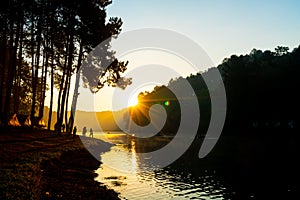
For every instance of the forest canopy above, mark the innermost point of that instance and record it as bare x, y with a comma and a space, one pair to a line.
261, 90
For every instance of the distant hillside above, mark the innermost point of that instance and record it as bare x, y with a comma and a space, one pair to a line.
97, 120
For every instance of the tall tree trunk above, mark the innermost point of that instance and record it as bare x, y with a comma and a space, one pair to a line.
3, 69
59, 102
46, 54
69, 68
18, 72
75, 94
8, 86
41, 87
52, 74
12, 66
61, 88
51, 87
36, 70
44, 86
32, 69
67, 103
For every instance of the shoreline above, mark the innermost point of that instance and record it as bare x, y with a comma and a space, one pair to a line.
37, 164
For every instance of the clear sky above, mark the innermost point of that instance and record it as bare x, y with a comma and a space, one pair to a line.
220, 27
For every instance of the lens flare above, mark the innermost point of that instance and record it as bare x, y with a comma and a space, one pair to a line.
167, 103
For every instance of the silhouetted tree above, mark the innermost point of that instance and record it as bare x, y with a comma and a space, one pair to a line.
51, 38
93, 30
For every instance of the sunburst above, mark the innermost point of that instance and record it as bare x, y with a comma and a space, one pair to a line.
133, 101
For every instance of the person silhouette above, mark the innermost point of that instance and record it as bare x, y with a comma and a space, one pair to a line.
63, 126
91, 132
84, 131
74, 131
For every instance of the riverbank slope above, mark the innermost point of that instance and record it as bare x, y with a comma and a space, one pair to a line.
38, 164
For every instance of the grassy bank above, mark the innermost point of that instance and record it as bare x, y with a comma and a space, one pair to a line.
37, 164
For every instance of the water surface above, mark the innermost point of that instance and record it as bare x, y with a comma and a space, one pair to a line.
126, 173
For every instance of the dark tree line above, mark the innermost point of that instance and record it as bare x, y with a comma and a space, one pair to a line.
261, 91
259, 144
43, 44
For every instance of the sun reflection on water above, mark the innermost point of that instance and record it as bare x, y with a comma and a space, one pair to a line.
133, 157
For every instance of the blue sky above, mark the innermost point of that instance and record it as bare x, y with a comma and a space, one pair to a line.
220, 27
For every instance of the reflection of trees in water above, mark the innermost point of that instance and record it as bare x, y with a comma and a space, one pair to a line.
248, 165
144, 145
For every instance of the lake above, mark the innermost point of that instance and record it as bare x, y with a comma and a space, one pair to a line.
247, 176
124, 171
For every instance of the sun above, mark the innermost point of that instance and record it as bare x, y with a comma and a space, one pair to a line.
133, 101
